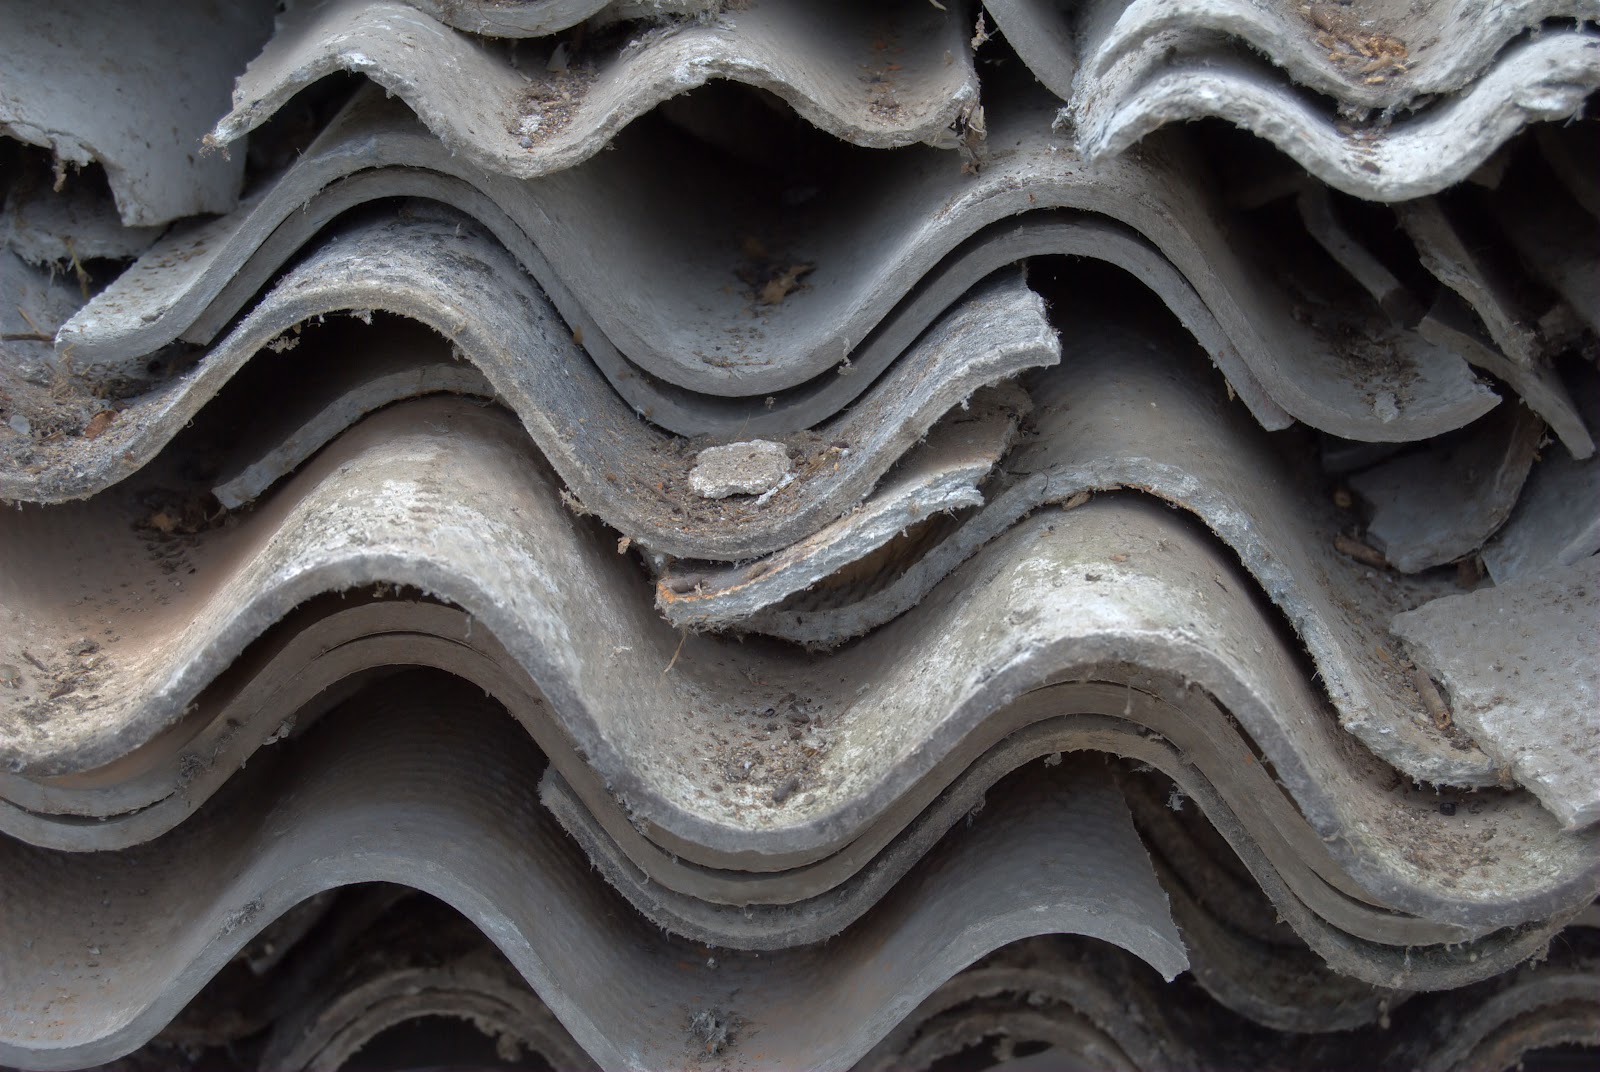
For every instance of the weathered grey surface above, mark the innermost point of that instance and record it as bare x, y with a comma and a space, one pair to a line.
828, 60
1557, 521
800, 922
444, 497
859, 308
1519, 664
1289, 860
1451, 324
78, 223
1042, 37
777, 910
310, 657
1118, 415
536, 18
1546, 78
433, 792
1142, 64
313, 653
1482, 283
444, 272
134, 90
940, 474
1326, 45
1445, 499
1516, 352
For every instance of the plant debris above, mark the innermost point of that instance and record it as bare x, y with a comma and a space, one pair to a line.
1357, 50
774, 290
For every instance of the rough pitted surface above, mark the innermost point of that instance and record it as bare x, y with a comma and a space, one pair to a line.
1517, 661
432, 788
448, 498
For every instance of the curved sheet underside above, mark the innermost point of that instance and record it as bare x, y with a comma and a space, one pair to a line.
828, 60
1472, 72
538, 18
1124, 583
1118, 415
416, 959
439, 801
1097, 1011
438, 269
886, 251
1375, 55
1546, 79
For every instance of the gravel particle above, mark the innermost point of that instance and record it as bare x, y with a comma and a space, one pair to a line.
748, 468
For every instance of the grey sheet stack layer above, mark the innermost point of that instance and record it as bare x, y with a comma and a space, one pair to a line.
1381, 99
770, 535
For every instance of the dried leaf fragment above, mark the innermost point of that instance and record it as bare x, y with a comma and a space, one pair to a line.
779, 286
99, 423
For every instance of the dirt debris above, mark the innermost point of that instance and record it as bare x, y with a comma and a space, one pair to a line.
550, 100
770, 277
69, 678
99, 423
764, 758
1432, 700
713, 1030
176, 514
1359, 51
879, 74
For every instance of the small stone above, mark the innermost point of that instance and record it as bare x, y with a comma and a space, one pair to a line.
20, 424
749, 468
